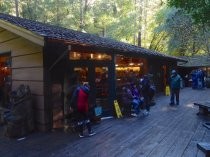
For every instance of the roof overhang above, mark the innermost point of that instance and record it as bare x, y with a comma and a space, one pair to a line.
85, 47
195, 61
37, 39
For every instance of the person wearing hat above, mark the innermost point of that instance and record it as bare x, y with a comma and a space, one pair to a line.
175, 83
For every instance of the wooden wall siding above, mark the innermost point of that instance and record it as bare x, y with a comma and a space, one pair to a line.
30, 60
28, 74
6, 36
23, 32
1, 29
18, 45
36, 87
39, 102
41, 117
27, 68
27, 61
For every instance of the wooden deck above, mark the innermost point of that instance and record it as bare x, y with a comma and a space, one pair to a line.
166, 132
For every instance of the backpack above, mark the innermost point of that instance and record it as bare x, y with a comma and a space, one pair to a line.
72, 101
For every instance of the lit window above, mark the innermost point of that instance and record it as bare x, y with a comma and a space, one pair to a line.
88, 56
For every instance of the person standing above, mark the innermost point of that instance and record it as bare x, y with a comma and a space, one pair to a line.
145, 88
83, 110
127, 100
175, 82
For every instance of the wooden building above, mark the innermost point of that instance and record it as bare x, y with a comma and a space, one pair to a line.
49, 59
193, 63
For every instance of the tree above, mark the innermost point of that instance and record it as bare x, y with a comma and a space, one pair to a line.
180, 34
6, 6
199, 9
116, 17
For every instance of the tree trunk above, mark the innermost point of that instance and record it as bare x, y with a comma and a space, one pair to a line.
81, 27
57, 13
139, 38
206, 39
140, 23
145, 20
16, 8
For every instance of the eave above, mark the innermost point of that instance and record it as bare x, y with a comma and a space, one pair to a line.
23, 33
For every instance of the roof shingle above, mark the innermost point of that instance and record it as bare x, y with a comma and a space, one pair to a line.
60, 33
196, 61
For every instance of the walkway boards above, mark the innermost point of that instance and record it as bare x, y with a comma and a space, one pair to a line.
166, 132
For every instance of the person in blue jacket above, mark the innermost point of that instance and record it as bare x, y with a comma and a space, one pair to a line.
175, 82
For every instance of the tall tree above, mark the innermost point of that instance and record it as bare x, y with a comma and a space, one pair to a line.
199, 9
182, 36
16, 8
140, 5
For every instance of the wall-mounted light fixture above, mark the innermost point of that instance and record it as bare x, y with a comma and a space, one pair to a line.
140, 64
91, 56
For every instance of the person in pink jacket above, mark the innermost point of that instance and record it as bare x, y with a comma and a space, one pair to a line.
83, 110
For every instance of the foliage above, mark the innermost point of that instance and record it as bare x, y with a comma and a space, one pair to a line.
150, 23
199, 9
184, 38
6, 6
118, 19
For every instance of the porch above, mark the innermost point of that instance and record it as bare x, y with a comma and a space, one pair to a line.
166, 132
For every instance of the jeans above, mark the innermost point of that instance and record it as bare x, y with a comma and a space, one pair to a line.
175, 92
147, 102
136, 106
83, 120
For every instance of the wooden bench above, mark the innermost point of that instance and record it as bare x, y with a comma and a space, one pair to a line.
207, 125
203, 107
204, 147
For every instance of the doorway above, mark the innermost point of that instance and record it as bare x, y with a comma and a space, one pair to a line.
97, 76
5, 78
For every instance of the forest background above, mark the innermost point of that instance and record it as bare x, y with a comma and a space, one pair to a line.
174, 27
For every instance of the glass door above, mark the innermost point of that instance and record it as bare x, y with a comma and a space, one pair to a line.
82, 74
102, 88
97, 78
75, 75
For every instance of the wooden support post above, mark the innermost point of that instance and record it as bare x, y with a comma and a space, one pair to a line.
205, 148
112, 82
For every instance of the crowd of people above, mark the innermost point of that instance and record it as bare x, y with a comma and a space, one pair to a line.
198, 79
136, 99
137, 96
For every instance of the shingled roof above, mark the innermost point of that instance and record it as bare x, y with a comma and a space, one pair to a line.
196, 61
80, 38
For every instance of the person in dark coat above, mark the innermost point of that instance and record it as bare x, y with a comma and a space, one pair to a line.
175, 82
126, 100
145, 83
